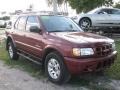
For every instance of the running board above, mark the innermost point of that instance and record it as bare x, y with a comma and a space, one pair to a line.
29, 59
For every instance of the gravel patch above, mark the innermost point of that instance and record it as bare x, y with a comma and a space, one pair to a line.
15, 79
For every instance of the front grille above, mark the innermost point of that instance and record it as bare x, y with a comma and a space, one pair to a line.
103, 50
104, 64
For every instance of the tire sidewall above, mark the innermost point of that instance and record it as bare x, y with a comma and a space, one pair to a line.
88, 20
62, 68
15, 55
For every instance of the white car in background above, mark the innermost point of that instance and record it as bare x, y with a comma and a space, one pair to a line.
2, 24
100, 17
9, 23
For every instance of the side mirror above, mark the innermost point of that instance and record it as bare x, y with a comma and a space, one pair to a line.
35, 29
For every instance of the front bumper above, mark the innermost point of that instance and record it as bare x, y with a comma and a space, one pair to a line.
77, 66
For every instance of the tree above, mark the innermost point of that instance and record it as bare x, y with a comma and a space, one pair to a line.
50, 2
62, 4
87, 5
117, 5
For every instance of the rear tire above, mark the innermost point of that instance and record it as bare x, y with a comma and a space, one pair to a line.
85, 23
55, 68
12, 51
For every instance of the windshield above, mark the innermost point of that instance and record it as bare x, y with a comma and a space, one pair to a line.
59, 24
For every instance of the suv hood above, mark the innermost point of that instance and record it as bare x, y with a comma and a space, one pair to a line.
81, 37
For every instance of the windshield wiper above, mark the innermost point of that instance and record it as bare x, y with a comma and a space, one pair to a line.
64, 31
72, 30
56, 31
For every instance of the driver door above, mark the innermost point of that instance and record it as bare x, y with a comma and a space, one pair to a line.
33, 39
101, 18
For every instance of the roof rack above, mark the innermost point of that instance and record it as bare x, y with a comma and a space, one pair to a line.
43, 13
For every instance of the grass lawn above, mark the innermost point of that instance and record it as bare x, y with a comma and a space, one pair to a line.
114, 71
22, 63
88, 81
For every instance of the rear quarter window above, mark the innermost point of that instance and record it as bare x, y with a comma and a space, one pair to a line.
20, 23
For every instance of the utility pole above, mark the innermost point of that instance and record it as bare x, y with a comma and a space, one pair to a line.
55, 10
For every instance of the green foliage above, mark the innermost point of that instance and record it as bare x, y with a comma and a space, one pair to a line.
86, 5
114, 71
117, 5
23, 64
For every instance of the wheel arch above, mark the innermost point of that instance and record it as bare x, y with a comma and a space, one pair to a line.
9, 39
49, 50
87, 18
65, 75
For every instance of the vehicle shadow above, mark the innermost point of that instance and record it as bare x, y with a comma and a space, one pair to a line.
94, 81
89, 80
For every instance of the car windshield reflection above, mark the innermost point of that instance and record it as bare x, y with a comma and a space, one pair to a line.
60, 24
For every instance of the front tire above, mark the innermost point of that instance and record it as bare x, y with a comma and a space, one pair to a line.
55, 68
85, 23
12, 51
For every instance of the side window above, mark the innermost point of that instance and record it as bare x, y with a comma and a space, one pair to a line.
16, 24
108, 11
117, 12
103, 11
32, 21
20, 24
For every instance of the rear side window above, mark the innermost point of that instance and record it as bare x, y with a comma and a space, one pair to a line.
21, 22
117, 12
108, 11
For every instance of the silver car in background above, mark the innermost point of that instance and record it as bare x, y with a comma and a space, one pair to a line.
100, 17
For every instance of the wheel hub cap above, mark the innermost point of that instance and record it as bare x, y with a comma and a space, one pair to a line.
10, 51
85, 24
53, 68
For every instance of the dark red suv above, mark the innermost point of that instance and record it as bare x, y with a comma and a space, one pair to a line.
59, 45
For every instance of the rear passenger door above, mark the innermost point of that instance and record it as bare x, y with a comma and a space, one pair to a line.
33, 39
18, 32
115, 17
102, 17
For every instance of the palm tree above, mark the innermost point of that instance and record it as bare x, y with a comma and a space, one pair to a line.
59, 3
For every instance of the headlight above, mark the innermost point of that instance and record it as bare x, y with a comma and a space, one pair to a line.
82, 51
86, 51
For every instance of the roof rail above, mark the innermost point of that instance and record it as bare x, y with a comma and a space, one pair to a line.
43, 13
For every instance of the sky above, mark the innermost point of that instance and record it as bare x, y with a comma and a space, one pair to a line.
12, 5
116, 0
38, 5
